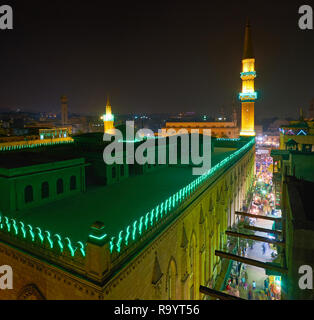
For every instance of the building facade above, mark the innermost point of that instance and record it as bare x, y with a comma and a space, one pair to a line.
219, 129
52, 267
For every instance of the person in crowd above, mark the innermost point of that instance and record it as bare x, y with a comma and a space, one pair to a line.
239, 267
250, 293
243, 280
254, 285
266, 282
228, 287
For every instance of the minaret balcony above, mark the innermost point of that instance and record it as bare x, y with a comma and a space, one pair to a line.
248, 96
250, 75
107, 117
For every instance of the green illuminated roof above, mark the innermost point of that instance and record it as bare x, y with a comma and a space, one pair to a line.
116, 205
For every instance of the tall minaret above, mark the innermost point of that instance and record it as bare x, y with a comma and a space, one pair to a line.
234, 116
248, 95
64, 110
108, 118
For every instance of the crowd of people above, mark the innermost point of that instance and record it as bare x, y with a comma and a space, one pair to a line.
263, 203
241, 287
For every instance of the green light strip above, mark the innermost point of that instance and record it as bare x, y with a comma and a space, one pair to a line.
18, 230
98, 238
228, 139
164, 208
35, 145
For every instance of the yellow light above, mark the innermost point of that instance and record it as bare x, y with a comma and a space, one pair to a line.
247, 133
248, 93
248, 65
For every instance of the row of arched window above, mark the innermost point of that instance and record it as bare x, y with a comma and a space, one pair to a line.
45, 189
172, 272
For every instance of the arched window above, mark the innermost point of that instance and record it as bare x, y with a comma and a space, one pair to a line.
171, 281
192, 257
30, 292
73, 183
114, 172
59, 186
44, 190
28, 194
193, 265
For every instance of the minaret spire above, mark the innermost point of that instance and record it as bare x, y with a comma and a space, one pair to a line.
108, 101
108, 106
248, 52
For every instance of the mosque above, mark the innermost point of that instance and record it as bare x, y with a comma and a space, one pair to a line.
73, 227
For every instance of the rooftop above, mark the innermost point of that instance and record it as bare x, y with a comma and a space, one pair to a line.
300, 124
116, 205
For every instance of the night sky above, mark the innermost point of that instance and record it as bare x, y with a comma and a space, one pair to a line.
154, 56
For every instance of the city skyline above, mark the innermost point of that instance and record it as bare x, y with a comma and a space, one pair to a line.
153, 58
137, 177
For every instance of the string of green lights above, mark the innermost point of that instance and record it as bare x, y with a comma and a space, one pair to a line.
32, 145
164, 208
35, 235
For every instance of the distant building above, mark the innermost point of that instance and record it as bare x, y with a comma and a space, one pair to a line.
219, 129
54, 133
64, 110
297, 135
36, 136
258, 130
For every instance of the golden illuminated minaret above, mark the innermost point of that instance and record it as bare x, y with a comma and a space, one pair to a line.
248, 94
108, 118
